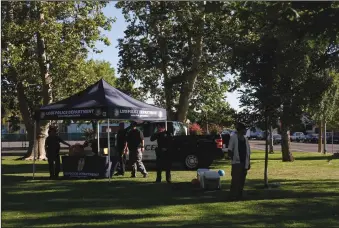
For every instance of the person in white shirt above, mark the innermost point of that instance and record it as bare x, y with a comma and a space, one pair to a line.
239, 151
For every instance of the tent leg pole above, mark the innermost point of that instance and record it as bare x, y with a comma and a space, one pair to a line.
109, 150
34, 138
166, 125
98, 136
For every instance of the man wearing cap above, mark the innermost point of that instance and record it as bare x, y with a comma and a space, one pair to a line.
136, 144
163, 153
239, 151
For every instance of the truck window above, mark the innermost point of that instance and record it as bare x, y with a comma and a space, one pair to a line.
144, 128
153, 127
178, 129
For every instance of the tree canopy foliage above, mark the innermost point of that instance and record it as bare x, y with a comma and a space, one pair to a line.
172, 49
282, 55
43, 44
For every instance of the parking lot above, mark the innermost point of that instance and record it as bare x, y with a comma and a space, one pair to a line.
295, 146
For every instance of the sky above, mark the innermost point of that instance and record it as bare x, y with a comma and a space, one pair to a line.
110, 53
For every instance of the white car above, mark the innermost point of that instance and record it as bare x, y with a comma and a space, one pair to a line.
276, 139
298, 137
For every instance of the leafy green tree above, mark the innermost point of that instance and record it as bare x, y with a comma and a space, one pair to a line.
327, 110
171, 48
42, 42
281, 57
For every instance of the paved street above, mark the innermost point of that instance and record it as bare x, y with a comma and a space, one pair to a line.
296, 147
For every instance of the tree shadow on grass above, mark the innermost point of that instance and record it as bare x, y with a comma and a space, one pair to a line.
22, 194
27, 167
135, 194
208, 219
96, 196
276, 213
24, 168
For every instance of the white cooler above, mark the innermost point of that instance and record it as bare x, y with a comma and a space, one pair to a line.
210, 180
200, 174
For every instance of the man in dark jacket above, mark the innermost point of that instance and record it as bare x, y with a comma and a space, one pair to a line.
163, 153
136, 144
121, 141
52, 146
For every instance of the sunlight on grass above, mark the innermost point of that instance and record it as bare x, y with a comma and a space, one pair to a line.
308, 196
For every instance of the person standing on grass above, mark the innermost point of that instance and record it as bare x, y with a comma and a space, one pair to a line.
52, 146
239, 151
136, 144
163, 153
121, 141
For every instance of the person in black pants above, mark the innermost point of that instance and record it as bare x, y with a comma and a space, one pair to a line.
52, 146
240, 151
121, 141
163, 153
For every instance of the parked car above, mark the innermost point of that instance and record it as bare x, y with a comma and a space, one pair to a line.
259, 135
297, 137
311, 138
276, 139
335, 138
229, 131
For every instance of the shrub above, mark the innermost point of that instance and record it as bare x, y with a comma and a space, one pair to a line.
214, 129
195, 129
89, 133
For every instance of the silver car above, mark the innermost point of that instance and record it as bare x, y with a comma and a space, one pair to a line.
276, 139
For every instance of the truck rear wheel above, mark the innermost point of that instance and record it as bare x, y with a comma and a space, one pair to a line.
191, 162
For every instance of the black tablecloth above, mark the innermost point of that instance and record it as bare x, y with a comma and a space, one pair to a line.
87, 167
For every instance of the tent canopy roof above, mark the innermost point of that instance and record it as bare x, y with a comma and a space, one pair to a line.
101, 101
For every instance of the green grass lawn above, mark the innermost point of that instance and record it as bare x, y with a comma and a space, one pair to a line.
307, 197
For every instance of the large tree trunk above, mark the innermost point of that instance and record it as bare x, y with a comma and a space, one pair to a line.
47, 97
320, 137
163, 46
266, 155
26, 116
285, 143
190, 76
189, 80
325, 137
185, 95
169, 95
271, 150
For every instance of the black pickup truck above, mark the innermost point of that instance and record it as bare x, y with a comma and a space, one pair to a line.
193, 151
